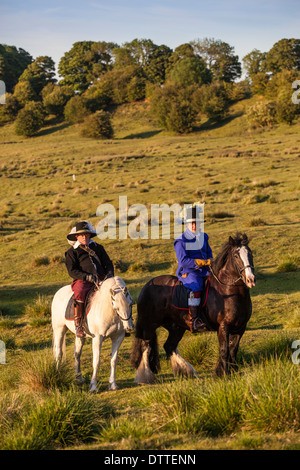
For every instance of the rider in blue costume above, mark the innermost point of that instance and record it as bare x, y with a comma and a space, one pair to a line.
194, 255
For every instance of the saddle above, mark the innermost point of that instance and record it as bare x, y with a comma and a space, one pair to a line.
69, 313
180, 298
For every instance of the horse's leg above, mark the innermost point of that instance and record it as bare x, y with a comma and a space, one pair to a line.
179, 365
79, 342
223, 362
144, 374
97, 344
234, 341
115, 345
59, 334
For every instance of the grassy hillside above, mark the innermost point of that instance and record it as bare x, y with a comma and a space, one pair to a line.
249, 182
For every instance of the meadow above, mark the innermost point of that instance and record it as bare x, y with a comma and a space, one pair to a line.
249, 182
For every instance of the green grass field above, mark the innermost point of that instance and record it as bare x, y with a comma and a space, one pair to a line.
249, 181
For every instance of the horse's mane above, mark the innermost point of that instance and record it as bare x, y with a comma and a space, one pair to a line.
110, 283
237, 241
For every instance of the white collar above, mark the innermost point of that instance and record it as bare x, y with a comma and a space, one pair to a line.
77, 244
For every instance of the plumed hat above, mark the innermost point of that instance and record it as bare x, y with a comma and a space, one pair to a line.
81, 227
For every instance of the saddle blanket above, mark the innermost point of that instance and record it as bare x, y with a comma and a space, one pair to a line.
69, 313
180, 295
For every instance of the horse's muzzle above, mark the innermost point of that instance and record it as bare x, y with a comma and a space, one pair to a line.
250, 281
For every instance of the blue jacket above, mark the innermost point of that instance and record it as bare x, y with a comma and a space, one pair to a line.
186, 255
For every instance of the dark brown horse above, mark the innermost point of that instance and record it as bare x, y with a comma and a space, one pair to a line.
227, 311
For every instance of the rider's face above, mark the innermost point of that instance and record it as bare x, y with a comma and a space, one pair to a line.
192, 227
83, 238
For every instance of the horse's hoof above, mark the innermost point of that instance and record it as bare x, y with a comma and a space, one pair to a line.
93, 388
113, 387
79, 380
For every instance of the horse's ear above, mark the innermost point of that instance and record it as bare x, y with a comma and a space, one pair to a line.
245, 239
231, 241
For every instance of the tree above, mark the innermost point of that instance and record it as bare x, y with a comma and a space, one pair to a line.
219, 58
84, 63
285, 54
55, 98
13, 62
140, 50
39, 73
76, 110
190, 71
171, 105
30, 119
155, 70
254, 62
24, 92
212, 100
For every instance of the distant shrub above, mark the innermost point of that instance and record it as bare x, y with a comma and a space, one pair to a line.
30, 119
171, 105
256, 222
41, 261
222, 215
38, 311
285, 109
76, 110
97, 126
55, 100
261, 114
287, 267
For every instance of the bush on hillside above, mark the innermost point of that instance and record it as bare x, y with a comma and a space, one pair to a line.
261, 114
171, 105
30, 119
97, 126
212, 100
55, 98
76, 110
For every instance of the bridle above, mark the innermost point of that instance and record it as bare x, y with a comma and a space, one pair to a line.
233, 284
116, 310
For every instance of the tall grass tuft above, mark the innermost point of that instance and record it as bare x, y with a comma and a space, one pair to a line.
38, 373
60, 420
266, 397
39, 311
273, 402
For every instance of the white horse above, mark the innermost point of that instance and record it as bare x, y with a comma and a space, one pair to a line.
110, 315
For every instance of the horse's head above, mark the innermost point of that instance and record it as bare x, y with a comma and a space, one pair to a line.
122, 306
243, 259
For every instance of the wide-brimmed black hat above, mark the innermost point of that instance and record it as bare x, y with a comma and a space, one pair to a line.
192, 214
81, 227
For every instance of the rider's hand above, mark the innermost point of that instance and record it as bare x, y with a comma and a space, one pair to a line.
93, 278
202, 262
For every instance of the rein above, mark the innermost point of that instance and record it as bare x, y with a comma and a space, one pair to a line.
98, 286
233, 284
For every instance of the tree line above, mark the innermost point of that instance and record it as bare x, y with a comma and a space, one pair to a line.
200, 77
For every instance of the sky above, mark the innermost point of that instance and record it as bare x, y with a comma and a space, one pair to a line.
51, 27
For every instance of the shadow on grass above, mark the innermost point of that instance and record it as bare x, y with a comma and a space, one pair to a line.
14, 299
276, 283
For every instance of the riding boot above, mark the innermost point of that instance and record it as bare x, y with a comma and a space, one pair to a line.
78, 318
195, 323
